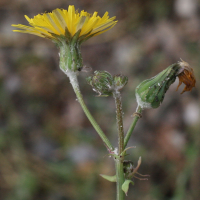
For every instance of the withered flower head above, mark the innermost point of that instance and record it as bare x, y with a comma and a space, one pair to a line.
150, 93
186, 76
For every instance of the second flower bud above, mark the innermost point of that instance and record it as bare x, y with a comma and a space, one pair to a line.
105, 84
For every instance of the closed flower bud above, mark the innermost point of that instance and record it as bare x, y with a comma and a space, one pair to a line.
128, 167
101, 82
151, 92
120, 81
105, 84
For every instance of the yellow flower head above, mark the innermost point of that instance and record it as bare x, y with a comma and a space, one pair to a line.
59, 21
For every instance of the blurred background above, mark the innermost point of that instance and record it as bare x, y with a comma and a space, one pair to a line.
49, 150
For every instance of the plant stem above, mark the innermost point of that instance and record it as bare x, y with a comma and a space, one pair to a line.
74, 82
119, 117
120, 179
131, 128
119, 160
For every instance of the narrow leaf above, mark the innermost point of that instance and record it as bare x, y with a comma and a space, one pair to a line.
109, 178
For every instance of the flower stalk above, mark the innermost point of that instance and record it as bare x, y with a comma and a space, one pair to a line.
119, 118
105, 85
137, 116
107, 143
119, 160
70, 63
65, 66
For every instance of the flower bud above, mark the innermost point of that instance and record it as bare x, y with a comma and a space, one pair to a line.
105, 84
128, 167
120, 81
101, 82
151, 92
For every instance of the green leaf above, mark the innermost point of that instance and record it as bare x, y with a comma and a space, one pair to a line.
109, 178
125, 186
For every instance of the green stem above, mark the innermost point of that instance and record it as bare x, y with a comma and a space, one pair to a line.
131, 128
120, 179
70, 63
119, 117
119, 160
74, 82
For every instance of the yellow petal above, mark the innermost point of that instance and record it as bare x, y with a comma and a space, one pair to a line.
58, 20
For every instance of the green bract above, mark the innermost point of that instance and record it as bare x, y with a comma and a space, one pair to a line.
120, 81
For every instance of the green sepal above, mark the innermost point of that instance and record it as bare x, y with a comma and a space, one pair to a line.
120, 81
83, 37
109, 178
75, 37
125, 186
88, 37
67, 35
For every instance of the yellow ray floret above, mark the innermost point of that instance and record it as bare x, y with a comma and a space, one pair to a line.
56, 22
